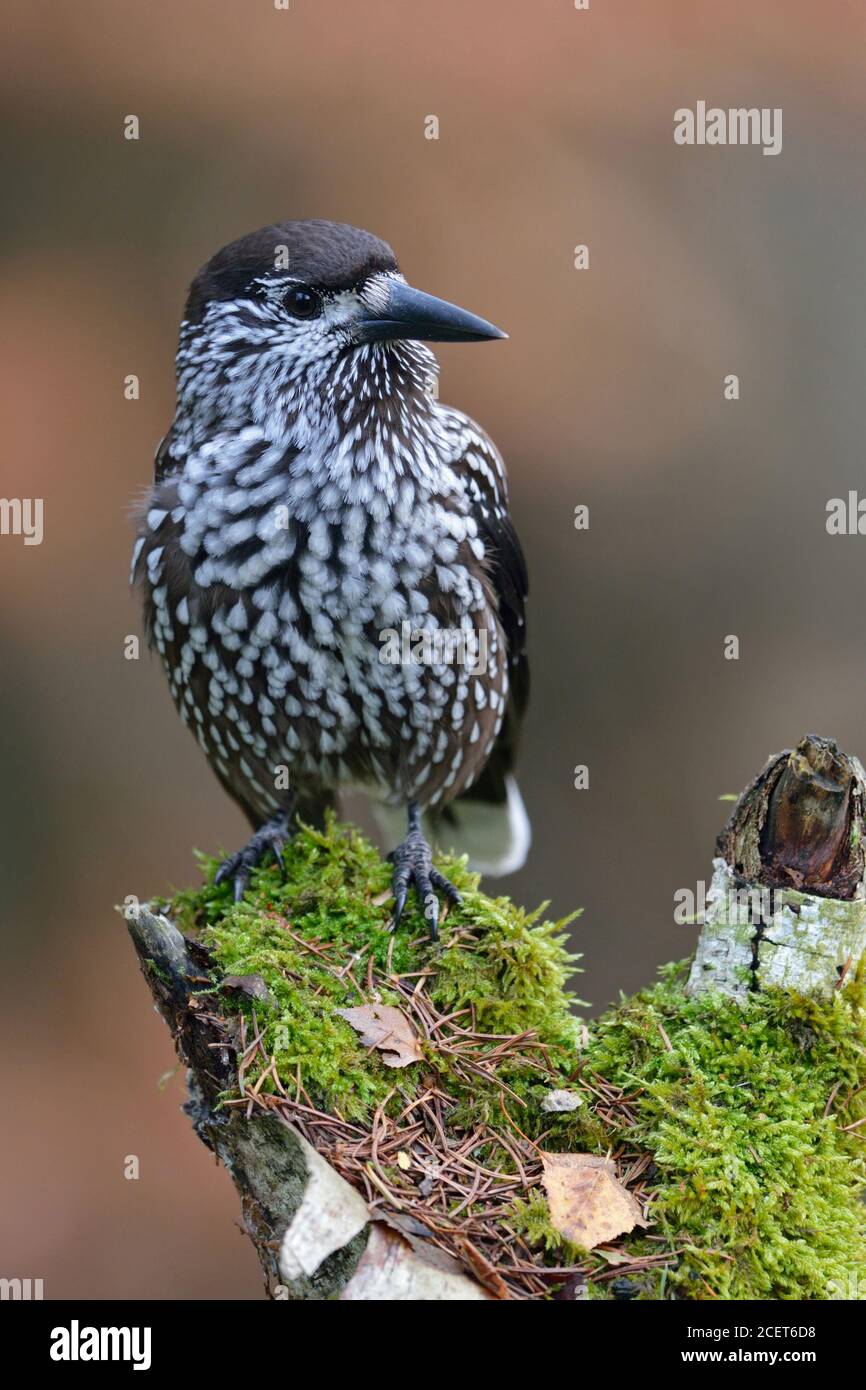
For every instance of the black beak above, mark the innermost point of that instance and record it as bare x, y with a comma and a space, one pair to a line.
411, 313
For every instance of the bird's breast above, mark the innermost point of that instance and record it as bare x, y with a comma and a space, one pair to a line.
347, 642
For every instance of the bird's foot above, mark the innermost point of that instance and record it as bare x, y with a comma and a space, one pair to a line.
413, 865
270, 837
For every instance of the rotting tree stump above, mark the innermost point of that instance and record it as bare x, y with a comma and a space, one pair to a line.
791, 862
787, 903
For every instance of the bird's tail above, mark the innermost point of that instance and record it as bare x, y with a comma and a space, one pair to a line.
489, 823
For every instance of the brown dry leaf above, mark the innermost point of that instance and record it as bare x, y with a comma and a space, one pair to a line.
588, 1203
387, 1029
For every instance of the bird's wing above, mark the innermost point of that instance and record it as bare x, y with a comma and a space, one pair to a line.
480, 467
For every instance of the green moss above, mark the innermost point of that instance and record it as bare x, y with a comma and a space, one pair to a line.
530, 1217
759, 1189
504, 967
756, 1191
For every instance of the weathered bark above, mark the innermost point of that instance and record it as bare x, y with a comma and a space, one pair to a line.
787, 904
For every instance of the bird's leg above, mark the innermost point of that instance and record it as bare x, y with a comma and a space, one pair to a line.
271, 837
413, 864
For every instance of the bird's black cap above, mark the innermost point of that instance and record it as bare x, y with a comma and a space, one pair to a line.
329, 255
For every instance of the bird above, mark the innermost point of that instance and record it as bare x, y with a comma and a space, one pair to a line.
327, 561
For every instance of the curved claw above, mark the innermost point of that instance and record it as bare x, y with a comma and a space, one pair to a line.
413, 866
445, 886
399, 904
271, 837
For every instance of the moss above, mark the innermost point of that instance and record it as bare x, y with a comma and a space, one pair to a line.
155, 970
756, 1191
504, 967
530, 1217
759, 1186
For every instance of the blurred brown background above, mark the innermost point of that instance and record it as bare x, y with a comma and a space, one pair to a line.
707, 516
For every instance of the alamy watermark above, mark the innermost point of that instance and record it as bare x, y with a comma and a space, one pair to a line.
742, 906
22, 516
738, 125
851, 1289
20, 1290
77, 1343
436, 646
846, 516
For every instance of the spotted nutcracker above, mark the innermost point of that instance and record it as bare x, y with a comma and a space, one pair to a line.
328, 566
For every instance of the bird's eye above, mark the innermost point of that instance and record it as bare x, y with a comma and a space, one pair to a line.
302, 302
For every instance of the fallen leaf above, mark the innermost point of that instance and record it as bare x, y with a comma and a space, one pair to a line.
588, 1203
387, 1029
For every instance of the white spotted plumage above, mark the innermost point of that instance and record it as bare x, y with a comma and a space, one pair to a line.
312, 495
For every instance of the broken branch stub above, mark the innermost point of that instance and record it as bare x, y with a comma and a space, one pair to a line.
787, 903
315, 1236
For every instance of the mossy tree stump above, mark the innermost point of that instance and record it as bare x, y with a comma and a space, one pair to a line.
407, 1160
787, 904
